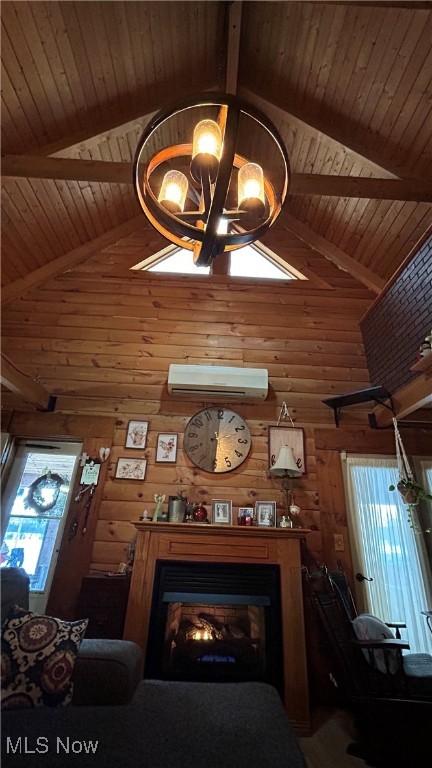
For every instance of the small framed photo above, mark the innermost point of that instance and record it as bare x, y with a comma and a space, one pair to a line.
131, 469
221, 512
166, 448
246, 516
266, 513
293, 437
136, 435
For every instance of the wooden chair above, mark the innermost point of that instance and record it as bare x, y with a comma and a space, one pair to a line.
390, 693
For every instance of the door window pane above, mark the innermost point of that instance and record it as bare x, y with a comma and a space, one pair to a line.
31, 536
30, 543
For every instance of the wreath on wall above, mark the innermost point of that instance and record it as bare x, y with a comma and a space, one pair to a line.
35, 499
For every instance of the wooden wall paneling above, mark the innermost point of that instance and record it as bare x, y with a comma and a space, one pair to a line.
30, 390
333, 253
75, 550
104, 341
333, 510
18, 287
417, 441
60, 425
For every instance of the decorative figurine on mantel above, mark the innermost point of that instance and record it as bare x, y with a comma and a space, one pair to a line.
158, 513
294, 512
200, 514
285, 522
190, 506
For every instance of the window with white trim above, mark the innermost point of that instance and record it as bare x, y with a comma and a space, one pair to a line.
389, 548
253, 261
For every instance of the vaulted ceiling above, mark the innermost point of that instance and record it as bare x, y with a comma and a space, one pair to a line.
347, 84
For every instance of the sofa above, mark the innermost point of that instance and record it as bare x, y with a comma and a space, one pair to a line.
118, 719
107, 672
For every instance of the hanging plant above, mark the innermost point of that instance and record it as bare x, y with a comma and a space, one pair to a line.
410, 491
36, 499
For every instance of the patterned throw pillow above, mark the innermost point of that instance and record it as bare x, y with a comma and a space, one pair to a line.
38, 655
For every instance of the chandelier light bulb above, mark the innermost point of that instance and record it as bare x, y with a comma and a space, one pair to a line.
206, 142
206, 149
222, 226
173, 191
251, 189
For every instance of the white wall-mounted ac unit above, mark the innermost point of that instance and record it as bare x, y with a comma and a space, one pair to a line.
216, 381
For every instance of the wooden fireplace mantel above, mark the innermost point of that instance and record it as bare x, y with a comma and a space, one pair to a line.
229, 544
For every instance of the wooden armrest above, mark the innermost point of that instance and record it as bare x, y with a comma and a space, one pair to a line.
382, 644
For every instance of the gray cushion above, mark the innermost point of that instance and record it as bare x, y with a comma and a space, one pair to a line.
418, 665
170, 725
107, 672
418, 669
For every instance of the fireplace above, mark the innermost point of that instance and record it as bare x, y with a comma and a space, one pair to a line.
218, 622
179, 567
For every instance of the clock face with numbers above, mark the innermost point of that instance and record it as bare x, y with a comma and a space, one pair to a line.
217, 440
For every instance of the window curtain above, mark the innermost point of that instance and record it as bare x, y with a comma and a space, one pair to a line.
388, 549
426, 468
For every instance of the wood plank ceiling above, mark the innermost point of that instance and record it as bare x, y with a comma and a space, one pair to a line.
348, 85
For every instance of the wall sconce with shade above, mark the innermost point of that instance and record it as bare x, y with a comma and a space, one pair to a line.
286, 468
187, 189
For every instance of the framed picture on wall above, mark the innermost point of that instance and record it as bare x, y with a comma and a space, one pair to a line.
131, 469
166, 448
293, 437
136, 434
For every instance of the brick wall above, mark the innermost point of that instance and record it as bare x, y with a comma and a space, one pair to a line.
396, 325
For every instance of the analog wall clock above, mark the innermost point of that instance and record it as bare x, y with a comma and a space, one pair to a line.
217, 440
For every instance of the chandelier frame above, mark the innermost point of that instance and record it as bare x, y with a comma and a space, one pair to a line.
202, 237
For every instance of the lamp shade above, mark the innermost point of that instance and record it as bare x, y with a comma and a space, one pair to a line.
173, 191
285, 464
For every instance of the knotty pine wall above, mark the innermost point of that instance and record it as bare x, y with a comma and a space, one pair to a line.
101, 338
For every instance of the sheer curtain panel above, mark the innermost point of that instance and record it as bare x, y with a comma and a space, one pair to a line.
388, 549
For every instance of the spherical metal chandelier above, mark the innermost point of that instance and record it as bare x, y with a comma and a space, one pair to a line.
204, 195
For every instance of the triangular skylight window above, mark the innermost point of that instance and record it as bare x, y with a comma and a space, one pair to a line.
254, 261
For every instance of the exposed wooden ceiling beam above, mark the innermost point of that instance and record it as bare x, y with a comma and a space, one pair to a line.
285, 108
407, 399
422, 416
360, 186
33, 166
233, 46
331, 252
20, 384
62, 263
107, 129
40, 167
117, 124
